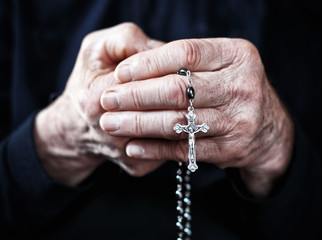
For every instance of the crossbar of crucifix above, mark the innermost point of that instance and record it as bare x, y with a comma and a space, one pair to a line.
191, 128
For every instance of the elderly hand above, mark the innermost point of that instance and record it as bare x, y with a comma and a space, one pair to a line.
249, 127
68, 138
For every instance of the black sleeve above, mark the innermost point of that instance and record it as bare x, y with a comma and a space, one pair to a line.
294, 211
6, 40
28, 197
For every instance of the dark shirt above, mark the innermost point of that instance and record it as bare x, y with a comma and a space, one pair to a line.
39, 42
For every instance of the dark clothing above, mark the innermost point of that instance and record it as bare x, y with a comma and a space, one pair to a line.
39, 42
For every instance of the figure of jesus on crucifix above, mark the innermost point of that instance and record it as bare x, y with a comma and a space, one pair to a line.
191, 129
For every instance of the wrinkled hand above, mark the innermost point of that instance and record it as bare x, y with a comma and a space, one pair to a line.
249, 127
68, 138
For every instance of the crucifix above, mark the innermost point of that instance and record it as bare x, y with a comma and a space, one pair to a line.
191, 129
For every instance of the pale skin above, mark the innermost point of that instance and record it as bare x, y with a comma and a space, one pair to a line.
68, 139
124, 98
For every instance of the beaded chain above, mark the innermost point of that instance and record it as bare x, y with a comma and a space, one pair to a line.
183, 191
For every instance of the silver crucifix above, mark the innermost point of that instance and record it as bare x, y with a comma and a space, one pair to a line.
191, 129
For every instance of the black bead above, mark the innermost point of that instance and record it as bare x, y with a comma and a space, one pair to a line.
182, 71
191, 93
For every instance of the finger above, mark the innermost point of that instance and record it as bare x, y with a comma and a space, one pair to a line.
160, 124
168, 92
207, 150
114, 44
194, 54
99, 54
139, 167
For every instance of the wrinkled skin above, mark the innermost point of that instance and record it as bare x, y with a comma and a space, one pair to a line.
68, 138
123, 99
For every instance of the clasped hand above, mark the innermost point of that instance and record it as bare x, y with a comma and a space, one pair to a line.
124, 97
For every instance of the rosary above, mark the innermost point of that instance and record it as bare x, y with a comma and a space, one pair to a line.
183, 190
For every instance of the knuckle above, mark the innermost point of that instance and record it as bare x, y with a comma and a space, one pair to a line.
250, 93
179, 118
246, 47
239, 153
153, 65
88, 107
164, 130
136, 98
240, 148
90, 47
129, 29
223, 165
190, 53
221, 150
177, 95
140, 169
138, 172
139, 124
250, 122
132, 168
257, 94
249, 89
179, 152
248, 53
242, 151
88, 40
129, 25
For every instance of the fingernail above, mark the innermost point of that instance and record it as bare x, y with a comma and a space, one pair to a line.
110, 123
135, 151
123, 74
110, 101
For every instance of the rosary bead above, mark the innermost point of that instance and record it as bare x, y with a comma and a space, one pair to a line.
187, 201
179, 194
187, 178
187, 231
179, 179
183, 193
180, 210
179, 226
187, 225
187, 210
187, 216
190, 93
182, 71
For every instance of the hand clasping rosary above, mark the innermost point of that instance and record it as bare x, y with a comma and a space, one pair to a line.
183, 190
